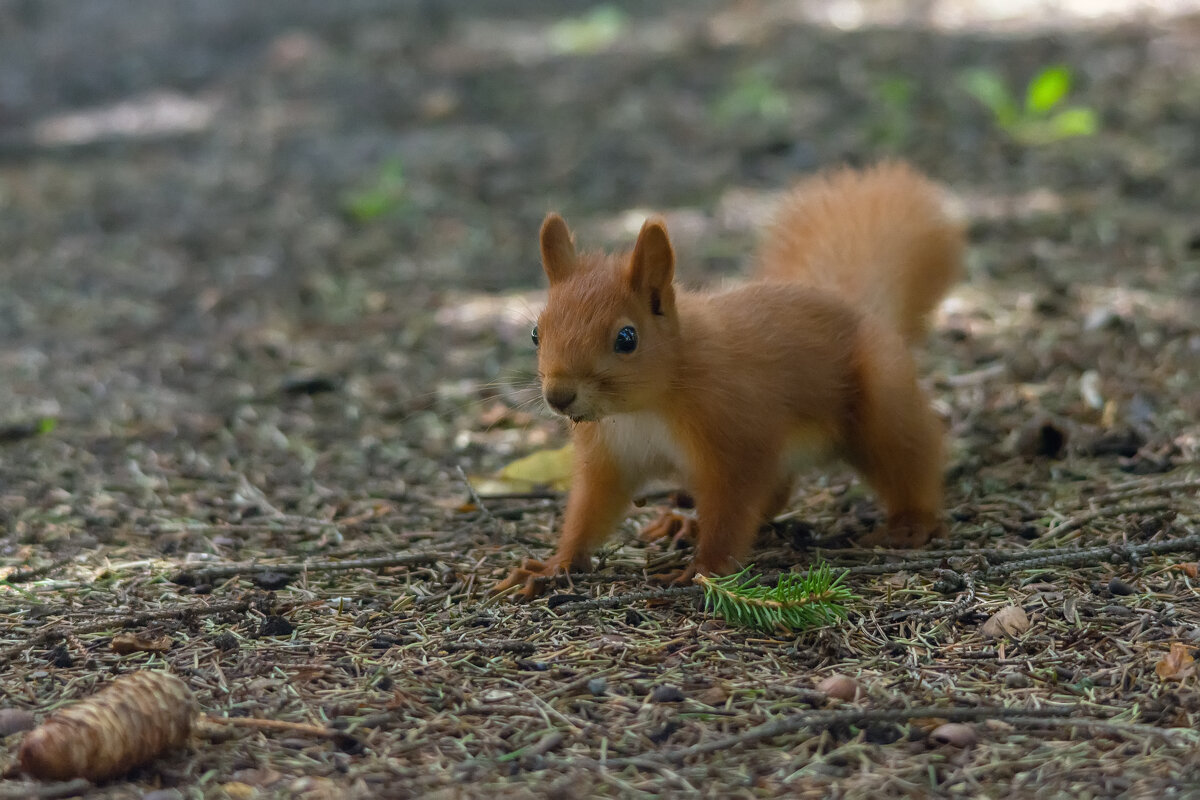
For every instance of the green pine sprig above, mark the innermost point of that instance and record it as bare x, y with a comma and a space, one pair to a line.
796, 602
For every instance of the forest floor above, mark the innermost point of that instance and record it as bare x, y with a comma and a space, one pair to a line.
267, 275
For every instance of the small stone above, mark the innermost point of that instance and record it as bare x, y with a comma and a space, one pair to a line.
1041, 438
1024, 366
954, 734
163, 794
276, 626
1119, 442
597, 687
15, 720
308, 384
1016, 680
225, 641
272, 581
667, 693
1120, 588
841, 687
61, 657
713, 696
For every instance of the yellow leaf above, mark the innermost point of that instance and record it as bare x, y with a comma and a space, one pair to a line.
542, 468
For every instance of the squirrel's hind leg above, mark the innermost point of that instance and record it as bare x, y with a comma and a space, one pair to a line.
895, 442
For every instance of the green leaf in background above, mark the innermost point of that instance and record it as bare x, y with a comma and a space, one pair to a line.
384, 195
591, 33
988, 88
46, 425
1074, 122
1047, 89
893, 121
753, 95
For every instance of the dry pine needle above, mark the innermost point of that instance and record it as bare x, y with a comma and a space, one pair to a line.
133, 720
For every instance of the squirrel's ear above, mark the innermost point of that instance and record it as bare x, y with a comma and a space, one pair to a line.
652, 265
558, 253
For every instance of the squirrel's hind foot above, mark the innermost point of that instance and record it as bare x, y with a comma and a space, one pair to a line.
677, 525
906, 531
677, 577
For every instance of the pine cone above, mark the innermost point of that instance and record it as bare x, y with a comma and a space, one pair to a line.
134, 719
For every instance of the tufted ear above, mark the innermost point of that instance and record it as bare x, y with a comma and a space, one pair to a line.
558, 252
652, 266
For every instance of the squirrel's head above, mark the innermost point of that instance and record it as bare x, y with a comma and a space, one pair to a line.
608, 336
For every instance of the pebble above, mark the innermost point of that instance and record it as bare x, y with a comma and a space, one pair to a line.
841, 687
955, 734
14, 720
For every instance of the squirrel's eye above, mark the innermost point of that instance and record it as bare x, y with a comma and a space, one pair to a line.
626, 340
533, 335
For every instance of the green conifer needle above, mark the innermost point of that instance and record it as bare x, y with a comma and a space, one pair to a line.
796, 602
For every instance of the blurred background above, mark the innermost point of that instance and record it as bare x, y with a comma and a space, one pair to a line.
267, 277
296, 242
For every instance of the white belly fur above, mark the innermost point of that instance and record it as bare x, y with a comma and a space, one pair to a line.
645, 448
643, 445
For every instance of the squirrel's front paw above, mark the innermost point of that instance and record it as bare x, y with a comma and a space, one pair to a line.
533, 576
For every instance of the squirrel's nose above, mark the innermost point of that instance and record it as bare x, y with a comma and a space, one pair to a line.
560, 397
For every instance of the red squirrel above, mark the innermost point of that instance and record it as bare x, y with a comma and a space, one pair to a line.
731, 391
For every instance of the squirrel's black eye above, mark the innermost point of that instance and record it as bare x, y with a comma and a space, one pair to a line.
626, 340
533, 335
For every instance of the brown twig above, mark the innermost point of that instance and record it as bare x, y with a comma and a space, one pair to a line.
58, 632
494, 646
273, 725
1074, 523
1125, 491
1056, 716
217, 571
1094, 555
46, 791
619, 600
484, 513
33, 573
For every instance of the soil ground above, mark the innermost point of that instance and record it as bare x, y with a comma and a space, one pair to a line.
267, 274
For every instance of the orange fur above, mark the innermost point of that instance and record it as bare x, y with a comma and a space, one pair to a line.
724, 390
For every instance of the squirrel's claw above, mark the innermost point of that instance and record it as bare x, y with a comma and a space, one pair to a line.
675, 524
533, 576
679, 577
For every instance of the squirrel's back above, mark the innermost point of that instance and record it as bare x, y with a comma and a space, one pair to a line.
881, 239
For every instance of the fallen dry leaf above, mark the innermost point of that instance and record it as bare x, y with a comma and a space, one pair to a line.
1176, 665
1008, 621
542, 468
1190, 569
125, 643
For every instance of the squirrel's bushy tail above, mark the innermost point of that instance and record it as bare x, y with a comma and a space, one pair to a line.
882, 239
